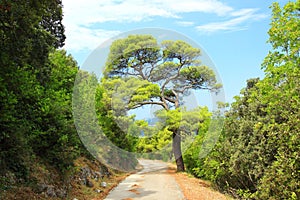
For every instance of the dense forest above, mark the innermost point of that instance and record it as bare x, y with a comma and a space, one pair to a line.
46, 100
36, 85
41, 154
257, 156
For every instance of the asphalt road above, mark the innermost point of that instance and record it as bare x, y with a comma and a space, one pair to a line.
151, 183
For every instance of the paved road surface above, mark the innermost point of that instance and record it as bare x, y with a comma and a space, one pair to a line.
152, 183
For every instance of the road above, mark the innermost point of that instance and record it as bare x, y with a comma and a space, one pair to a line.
151, 183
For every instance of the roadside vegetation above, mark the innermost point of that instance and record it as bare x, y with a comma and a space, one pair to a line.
258, 153
39, 145
256, 156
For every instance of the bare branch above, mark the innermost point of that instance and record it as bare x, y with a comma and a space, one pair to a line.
139, 69
177, 99
149, 71
170, 99
170, 79
185, 88
140, 104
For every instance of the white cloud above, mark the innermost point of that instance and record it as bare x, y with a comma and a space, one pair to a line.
93, 11
185, 23
238, 21
205, 6
80, 15
80, 38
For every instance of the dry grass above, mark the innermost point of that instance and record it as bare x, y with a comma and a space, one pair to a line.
85, 193
194, 188
44, 173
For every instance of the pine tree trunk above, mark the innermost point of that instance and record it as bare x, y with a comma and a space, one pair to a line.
176, 145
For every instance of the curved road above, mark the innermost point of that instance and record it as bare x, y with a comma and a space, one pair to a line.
151, 183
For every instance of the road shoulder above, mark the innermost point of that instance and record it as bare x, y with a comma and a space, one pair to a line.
194, 188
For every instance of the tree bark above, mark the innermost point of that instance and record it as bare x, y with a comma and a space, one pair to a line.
176, 145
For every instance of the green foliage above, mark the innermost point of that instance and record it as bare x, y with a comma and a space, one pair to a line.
28, 31
201, 75
197, 164
111, 123
132, 52
99, 130
55, 136
38, 119
147, 73
283, 96
157, 139
13, 144
257, 155
36, 88
160, 72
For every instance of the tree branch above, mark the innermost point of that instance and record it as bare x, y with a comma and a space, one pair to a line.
149, 73
149, 103
170, 99
177, 99
184, 89
168, 81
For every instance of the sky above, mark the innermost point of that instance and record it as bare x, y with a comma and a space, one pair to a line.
232, 33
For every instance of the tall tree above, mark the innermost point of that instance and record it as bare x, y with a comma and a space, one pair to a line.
161, 74
29, 30
259, 154
281, 92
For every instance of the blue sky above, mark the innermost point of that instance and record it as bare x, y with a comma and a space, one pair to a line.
232, 32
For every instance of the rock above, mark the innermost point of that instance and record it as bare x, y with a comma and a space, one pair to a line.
11, 177
83, 181
61, 193
89, 183
85, 172
41, 187
105, 171
98, 175
98, 191
103, 184
50, 191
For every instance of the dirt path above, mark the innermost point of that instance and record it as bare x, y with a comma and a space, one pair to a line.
152, 183
194, 188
